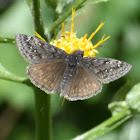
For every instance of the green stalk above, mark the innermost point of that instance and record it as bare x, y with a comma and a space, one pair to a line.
38, 23
106, 126
5, 74
7, 40
64, 16
42, 100
43, 115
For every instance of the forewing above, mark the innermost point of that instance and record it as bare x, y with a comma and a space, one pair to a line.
47, 76
81, 86
35, 50
106, 69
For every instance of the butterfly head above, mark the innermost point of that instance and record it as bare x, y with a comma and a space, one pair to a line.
75, 58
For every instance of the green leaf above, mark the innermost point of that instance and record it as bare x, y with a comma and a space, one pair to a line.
51, 3
5, 74
29, 3
65, 9
61, 19
48, 14
133, 98
95, 2
121, 93
116, 107
16, 94
6, 40
63, 5
106, 126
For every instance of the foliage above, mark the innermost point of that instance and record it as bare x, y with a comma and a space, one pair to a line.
74, 118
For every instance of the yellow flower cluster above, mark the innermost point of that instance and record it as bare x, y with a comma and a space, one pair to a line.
70, 43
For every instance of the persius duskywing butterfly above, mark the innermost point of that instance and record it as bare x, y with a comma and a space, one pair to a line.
73, 76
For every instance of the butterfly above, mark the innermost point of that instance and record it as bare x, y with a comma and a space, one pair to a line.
71, 75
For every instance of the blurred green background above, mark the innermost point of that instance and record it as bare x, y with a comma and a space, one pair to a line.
122, 23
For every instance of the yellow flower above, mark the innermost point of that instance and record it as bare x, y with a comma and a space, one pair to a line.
70, 43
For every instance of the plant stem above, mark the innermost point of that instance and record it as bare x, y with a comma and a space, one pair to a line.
64, 16
42, 100
106, 126
7, 40
43, 115
5, 74
38, 24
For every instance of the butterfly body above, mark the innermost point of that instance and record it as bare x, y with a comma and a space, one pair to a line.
73, 76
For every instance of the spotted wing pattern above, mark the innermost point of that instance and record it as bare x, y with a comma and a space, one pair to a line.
47, 76
81, 86
106, 69
35, 50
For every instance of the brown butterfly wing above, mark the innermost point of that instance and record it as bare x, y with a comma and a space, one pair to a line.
82, 86
47, 76
35, 50
106, 70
